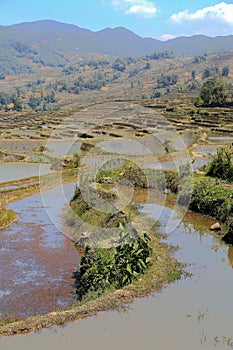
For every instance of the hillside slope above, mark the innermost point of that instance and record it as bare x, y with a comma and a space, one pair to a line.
51, 43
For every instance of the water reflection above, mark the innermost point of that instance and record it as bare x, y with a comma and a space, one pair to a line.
38, 260
175, 163
193, 313
16, 171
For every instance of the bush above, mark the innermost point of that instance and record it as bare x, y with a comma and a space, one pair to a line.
211, 199
213, 92
105, 269
222, 166
198, 102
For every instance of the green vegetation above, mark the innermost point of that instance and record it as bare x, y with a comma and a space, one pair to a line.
185, 187
213, 93
7, 99
93, 219
107, 269
128, 172
77, 160
200, 58
94, 82
163, 269
159, 55
167, 80
75, 83
128, 254
210, 198
119, 64
105, 76
201, 193
225, 71
133, 174
222, 165
16, 100
7, 216
210, 72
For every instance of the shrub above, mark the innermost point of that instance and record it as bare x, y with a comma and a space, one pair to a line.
105, 269
211, 199
222, 166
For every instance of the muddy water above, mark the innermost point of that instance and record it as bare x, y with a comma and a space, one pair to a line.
221, 139
36, 259
175, 164
62, 148
206, 150
16, 171
193, 313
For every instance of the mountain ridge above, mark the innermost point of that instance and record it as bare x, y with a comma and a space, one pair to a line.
52, 43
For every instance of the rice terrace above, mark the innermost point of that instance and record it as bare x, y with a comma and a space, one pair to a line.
116, 181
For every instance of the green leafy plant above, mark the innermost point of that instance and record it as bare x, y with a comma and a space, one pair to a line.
105, 269
222, 165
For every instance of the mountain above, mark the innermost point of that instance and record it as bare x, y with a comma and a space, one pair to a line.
198, 44
46, 26
51, 43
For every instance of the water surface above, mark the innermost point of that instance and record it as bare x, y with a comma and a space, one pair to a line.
37, 260
16, 171
193, 313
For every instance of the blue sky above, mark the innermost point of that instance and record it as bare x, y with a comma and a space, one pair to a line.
161, 19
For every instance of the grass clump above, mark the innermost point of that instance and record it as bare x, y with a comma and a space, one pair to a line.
7, 216
146, 178
210, 198
127, 173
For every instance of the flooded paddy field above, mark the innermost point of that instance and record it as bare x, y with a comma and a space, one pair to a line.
194, 313
38, 258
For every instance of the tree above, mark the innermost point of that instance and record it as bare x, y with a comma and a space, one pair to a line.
200, 58
225, 71
222, 166
50, 98
119, 64
148, 65
193, 74
17, 104
167, 80
34, 102
213, 92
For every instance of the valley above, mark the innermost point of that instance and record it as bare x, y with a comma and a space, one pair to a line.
100, 144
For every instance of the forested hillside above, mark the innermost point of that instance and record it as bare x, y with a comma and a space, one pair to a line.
49, 43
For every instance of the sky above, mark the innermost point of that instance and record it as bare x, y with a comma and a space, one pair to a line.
160, 19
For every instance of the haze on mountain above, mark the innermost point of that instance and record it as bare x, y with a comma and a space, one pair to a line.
51, 43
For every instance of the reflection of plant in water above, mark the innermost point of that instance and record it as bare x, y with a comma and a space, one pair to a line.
228, 341
216, 341
224, 340
202, 315
203, 338
185, 187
